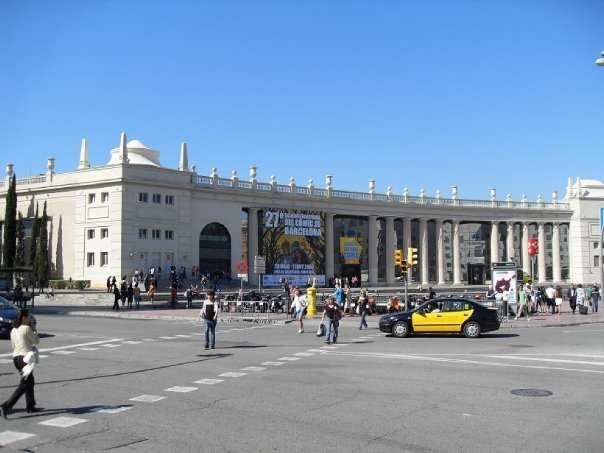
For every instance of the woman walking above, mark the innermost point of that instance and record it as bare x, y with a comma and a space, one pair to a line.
24, 339
364, 310
137, 295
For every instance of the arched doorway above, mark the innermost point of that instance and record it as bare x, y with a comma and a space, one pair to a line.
215, 250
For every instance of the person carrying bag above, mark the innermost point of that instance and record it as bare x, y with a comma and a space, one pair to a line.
24, 339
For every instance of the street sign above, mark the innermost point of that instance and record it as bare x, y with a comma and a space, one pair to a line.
259, 265
242, 267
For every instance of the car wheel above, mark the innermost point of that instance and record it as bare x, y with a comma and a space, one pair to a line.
400, 329
471, 329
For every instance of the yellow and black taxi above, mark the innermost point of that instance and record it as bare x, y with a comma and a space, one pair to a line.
454, 315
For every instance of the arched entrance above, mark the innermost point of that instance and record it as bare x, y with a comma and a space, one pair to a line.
215, 250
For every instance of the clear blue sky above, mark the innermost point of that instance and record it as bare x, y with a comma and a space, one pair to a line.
414, 94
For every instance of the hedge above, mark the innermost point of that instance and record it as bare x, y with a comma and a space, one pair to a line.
69, 284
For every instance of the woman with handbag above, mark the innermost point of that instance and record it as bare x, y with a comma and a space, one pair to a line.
23, 338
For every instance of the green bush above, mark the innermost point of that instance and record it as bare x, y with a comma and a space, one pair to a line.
69, 284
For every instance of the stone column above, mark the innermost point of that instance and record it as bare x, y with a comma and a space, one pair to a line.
541, 255
390, 247
440, 251
372, 250
510, 241
423, 251
494, 242
456, 254
407, 243
329, 248
557, 272
252, 243
526, 258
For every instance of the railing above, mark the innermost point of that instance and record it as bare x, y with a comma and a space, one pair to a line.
32, 179
429, 202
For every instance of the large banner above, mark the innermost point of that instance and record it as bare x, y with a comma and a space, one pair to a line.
293, 244
351, 250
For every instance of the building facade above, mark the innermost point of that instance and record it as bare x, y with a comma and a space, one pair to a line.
133, 213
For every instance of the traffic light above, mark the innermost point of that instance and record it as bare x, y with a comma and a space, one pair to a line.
398, 258
411, 256
404, 267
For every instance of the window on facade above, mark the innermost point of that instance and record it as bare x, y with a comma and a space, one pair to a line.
90, 259
104, 233
104, 258
156, 234
157, 198
91, 198
596, 261
90, 234
142, 233
595, 245
170, 199
169, 234
143, 197
104, 197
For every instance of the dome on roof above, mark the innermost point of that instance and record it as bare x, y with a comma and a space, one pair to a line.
591, 183
137, 144
138, 154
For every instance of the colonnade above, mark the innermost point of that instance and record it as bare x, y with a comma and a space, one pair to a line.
423, 247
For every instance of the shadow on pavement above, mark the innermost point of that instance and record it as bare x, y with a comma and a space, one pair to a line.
126, 373
67, 410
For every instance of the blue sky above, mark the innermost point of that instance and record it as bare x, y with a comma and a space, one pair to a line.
414, 94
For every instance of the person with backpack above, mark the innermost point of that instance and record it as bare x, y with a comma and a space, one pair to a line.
333, 312
209, 313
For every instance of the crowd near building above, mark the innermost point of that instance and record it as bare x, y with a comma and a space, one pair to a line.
134, 213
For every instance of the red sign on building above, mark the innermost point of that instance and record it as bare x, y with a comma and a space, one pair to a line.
533, 247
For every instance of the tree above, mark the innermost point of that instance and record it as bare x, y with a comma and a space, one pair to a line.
20, 250
10, 218
35, 233
41, 263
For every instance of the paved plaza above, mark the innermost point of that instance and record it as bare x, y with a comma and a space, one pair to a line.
148, 385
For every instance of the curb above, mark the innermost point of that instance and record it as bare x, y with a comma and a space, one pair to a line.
562, 324
155, 317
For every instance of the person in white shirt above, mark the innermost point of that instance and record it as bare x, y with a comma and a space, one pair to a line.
298, 308
209, 313
550, 294
24, 339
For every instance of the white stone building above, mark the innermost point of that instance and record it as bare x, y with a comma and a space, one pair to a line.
133, 213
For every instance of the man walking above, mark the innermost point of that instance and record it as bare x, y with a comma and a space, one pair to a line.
334, 314
595, 298
363, 309
209, 313
571, 294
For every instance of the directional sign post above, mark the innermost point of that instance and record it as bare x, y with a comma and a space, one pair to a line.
259, 268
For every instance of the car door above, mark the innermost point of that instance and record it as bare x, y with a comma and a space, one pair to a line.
455, 313
427, 322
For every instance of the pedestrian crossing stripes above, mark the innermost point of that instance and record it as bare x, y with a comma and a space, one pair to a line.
304, 354
289, 359
132, 342
180, 389
113, 410
253, 368
8, 437
147, 398
63, 422
110, 345
88, 349
6, 361
63, 352
209, 381
272, 363
233, 374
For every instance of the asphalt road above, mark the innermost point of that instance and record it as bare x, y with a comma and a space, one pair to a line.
370, 393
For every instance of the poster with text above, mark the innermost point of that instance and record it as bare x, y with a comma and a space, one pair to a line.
293, 244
